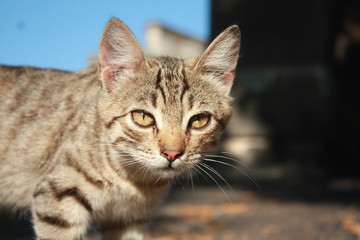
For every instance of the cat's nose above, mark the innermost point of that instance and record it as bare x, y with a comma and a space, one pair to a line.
172, 155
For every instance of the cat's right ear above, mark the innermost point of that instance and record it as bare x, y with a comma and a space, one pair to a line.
120, 54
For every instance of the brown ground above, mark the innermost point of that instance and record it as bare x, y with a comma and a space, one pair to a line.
280, 211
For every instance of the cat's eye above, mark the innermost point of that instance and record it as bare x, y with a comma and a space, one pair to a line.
143, 119
199, 121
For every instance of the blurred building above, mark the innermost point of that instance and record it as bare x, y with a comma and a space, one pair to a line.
163, 41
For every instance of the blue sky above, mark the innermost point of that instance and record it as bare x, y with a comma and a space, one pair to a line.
62, 34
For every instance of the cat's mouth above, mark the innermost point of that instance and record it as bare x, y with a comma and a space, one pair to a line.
171, 170
169, 167
176, 168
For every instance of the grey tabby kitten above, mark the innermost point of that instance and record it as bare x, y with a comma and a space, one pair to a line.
104, 145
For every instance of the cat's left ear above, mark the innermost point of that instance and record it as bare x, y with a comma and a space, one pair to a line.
220, 58
120, 54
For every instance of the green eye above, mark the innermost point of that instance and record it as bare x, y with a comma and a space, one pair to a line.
143, 119
199, 121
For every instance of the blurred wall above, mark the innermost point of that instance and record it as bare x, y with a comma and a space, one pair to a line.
163, 41
297, 81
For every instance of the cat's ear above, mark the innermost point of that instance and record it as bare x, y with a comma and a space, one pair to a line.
220, 58
120, 54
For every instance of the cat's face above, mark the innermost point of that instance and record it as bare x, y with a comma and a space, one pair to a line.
163, 114
169, 116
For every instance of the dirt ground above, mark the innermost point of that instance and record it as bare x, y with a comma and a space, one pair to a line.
281, 210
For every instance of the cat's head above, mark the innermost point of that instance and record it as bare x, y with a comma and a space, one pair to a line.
163, 114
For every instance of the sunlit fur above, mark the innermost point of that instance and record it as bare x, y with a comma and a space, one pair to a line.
71, 151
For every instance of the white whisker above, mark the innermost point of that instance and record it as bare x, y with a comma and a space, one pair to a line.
229, 158
215, 182
252, 178
217, 174
129, 163
200, 174
182, 186
139, 169
191, 179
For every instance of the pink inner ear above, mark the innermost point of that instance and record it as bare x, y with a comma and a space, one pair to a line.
104, 57
109, 78
228, 78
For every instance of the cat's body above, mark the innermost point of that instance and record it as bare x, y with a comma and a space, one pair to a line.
105, 144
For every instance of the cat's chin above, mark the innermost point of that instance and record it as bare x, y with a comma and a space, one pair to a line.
157, 170
165, 174
170, 173
161, 177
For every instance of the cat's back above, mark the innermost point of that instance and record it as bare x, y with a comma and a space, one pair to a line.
25, 94
21, 86
36, 101
17, 77
34, 92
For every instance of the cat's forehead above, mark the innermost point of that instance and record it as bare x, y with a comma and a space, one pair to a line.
168, 63
170, 86
171, 79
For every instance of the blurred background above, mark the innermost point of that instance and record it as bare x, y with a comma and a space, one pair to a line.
296, 123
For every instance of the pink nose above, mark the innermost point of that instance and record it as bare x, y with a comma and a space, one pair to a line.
172, 155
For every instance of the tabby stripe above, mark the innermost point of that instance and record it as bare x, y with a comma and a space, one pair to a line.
33, 112
158, 80
121, 139
132, 134
39, 192
58, 136
96, 125
53, 220
98, 169
18, 121
108, 158
52, 149
74, 164
186, 85
153, 99
19, 97
109, 124
191, 101
98, 165
163, 94
68, 101
71, 192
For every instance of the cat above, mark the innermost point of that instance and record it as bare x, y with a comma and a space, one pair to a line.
104, 145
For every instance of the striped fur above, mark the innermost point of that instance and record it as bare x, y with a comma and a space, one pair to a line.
71, 151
